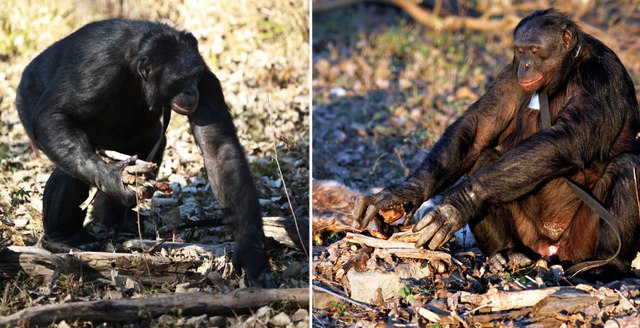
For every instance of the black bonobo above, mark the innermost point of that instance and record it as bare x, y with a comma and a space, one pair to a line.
518, 195
106, 86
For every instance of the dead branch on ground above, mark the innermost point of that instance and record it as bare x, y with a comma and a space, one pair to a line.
129, 310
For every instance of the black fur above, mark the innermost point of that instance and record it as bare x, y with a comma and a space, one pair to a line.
516, 199
105, 87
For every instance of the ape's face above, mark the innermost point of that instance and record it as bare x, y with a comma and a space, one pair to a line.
170, 71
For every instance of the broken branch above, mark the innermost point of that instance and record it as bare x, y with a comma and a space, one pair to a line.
129, 310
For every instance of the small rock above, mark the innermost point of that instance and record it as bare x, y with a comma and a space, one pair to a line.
199, 321
112, 295
182, 288
365, 284
63, 324
557, 272
218, 321
166, 320
337, 92
264, 313
300, 315
131, 284
21, 222
280, 320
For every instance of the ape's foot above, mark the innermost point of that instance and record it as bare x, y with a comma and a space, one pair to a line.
255, 262
263, 280
510, 260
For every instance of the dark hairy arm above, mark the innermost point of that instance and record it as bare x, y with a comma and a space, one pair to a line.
456, 151
229, 176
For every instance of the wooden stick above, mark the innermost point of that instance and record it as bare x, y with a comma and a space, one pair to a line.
416, 253
129, 310
375, 242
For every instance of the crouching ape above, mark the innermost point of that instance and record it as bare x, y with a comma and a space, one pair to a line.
107, 86
549, 154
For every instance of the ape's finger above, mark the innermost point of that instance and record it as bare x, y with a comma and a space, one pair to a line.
372, 210
425, 221
440, 237
428, 232
361, 204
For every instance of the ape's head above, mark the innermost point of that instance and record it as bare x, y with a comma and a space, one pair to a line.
169, 67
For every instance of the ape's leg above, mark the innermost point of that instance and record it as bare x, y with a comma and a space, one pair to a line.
62, 215
616, 189
497, 237
495, 231
112, 213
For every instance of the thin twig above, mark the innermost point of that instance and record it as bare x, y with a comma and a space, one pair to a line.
286, 192
138, 200
344, 298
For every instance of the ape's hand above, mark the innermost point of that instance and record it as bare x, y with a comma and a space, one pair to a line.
439, 226
385, 199
113, 184
454, 211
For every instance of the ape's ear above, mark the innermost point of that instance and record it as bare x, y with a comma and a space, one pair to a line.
144, 67
570, 37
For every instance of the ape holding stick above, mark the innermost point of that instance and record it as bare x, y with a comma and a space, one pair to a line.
107, 86
515, 197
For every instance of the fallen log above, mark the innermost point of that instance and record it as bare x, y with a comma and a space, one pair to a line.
38, 262
283, 230
201, 249
418, 253
546, 301
131, 310
375, 242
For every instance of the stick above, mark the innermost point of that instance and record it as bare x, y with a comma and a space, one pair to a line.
345, 298
416, 253
131, 310
375, 242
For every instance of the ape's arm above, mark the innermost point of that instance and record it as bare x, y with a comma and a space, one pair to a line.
230, 178
56, 133
582, 133
456, 151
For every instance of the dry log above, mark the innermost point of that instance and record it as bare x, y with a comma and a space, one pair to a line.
502, 301
405, 236
451, 23
40, 262
201, 249
375, 242
284, 231
131, 310
546, 301
416, 253
425, 17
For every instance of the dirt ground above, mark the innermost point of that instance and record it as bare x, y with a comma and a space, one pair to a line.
259, 51
384, 89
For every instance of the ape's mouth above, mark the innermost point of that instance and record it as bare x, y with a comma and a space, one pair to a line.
533, 84
183, 110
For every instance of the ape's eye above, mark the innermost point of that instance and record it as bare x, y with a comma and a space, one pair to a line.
534, 50
519, 50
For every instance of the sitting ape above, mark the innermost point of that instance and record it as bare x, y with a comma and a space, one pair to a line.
516, 157
106, 86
